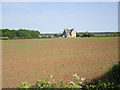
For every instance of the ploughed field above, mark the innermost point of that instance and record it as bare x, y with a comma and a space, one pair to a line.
37, 59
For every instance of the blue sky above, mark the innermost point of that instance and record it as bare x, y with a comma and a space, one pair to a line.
53, 17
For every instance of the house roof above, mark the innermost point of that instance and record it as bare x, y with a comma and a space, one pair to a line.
68, 30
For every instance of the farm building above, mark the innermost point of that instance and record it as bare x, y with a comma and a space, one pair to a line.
69, 33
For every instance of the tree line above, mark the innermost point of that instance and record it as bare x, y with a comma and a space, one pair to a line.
20, 34
98, 34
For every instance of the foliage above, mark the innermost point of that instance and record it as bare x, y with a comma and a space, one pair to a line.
44, 84
77, 82
78, 35
114, 74
57, 35
25, 86
87, 34
99, 34
110, 80
114, 35
21, 34
100, 85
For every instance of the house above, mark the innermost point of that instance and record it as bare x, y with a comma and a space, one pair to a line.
69, 33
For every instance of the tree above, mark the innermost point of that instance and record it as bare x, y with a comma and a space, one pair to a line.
12, 34
87, 34
35, 34
56, 35
21, 33
78, 35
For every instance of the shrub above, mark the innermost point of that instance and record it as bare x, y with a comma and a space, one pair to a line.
78, 35
87, 34
100, 85
114, 74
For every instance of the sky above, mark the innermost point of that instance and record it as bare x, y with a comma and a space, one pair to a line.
53, 17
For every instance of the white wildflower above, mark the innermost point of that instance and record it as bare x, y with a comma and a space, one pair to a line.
83, 79
53, 80
72, 83
90, 85
80, 86
49, 82
80, 82
51, 76
76, 76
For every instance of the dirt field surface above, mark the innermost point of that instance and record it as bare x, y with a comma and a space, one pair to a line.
36, 59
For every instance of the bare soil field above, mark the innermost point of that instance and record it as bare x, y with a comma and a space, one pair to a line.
37, 59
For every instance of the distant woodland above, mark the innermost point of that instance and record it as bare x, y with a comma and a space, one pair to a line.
21, 33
